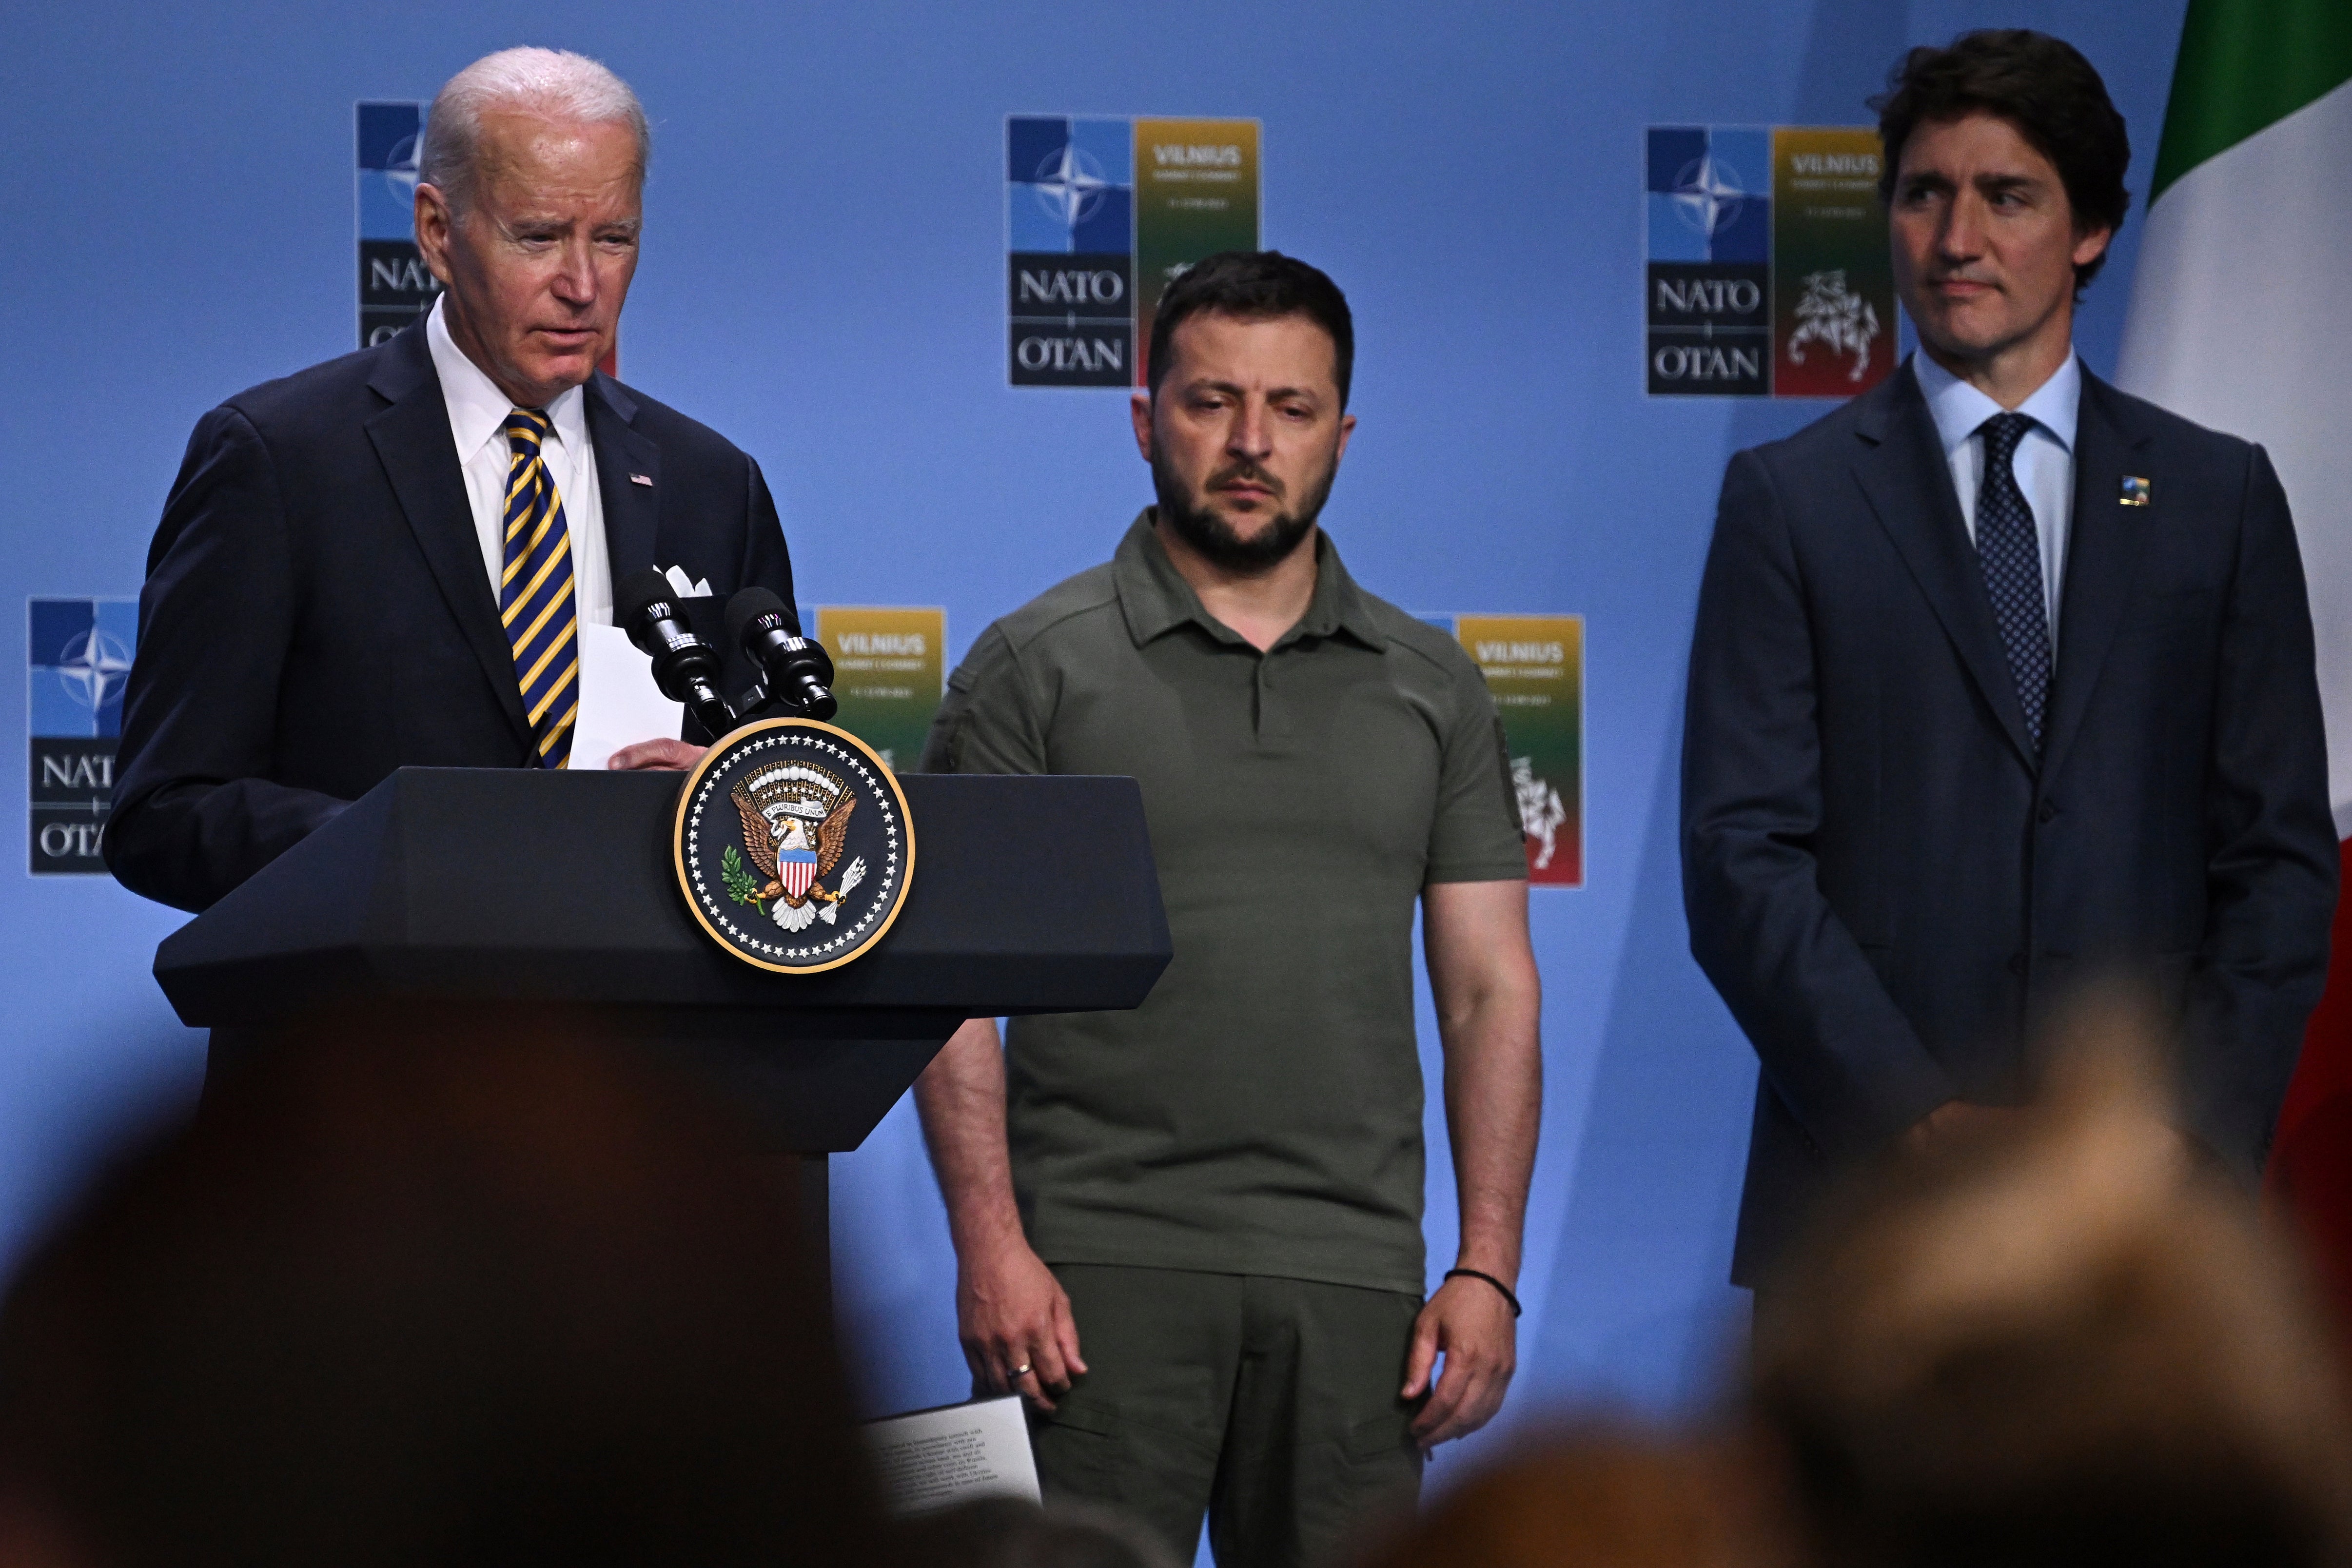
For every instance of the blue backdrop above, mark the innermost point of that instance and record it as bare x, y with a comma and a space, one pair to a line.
823, 279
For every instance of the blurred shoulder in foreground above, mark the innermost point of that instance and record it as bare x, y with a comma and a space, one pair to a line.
2067, 1339
454, 1301
1008, 1532
1603, 1495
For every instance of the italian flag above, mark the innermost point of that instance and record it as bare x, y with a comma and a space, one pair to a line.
2240, 320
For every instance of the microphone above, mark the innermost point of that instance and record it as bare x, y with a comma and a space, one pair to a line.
686, 667
795, 672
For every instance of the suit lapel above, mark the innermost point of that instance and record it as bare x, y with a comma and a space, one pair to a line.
1908, 483
625, 457
2102, 552
420, 457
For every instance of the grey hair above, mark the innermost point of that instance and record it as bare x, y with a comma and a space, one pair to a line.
554, 84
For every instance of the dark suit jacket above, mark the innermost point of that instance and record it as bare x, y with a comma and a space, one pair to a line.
317, 614
1890, 893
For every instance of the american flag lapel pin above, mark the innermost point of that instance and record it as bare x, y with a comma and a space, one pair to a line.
2135, 492
647, 480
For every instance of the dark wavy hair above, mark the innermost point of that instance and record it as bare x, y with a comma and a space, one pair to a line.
1256, 285
2039, 84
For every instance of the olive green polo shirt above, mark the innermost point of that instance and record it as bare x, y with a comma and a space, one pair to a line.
1261, 1112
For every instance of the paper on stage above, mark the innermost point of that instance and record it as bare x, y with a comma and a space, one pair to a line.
933, 1459
619, 704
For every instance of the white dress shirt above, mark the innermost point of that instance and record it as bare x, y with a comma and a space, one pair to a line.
2044, 463
478, 418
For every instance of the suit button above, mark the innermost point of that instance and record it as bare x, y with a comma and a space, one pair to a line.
2017, 964
2048, 812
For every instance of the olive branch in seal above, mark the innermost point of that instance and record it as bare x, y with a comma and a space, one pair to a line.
740, 886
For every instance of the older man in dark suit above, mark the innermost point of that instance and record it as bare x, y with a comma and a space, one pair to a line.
2001, 682
387, 560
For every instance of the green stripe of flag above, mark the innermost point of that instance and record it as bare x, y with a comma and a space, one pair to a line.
2246, 63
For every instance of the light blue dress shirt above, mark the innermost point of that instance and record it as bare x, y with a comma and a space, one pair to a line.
2044, 463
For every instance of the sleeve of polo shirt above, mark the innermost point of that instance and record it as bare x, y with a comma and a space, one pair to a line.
988, 724
1474, 834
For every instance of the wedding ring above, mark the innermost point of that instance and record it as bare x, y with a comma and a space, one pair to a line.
1018, 1372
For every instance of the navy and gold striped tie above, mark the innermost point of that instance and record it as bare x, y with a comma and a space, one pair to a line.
535, 592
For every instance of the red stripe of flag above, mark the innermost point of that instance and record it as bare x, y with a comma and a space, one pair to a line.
2311, 1159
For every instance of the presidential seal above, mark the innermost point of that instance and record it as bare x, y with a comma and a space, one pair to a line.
793, 846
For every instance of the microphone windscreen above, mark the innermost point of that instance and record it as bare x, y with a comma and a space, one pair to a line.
748, 606
640, 588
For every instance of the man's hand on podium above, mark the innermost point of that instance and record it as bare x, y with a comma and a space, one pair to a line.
656, 755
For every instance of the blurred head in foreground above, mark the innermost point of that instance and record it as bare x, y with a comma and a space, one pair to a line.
2068, 1342
1610, 1499
440, 1304
1007, 1532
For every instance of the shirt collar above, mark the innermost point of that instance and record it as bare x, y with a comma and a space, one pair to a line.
1958, 408
1156, 599
477, 409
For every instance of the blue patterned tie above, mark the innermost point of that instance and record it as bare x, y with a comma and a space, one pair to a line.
535, 592
2010, 553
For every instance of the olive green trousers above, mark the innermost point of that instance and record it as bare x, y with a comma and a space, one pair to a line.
1270, 1405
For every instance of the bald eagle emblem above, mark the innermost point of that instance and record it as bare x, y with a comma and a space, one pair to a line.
793, 846
796, 817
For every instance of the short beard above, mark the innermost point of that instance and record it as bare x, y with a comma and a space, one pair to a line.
1213, 538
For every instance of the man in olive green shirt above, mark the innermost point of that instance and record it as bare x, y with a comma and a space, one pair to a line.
1218, 1195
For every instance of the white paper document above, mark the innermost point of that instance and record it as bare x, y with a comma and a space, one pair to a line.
619, 704
934, 1459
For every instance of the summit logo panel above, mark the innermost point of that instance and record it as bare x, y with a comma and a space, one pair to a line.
1100, 215
1767, 270
395, 286
77, 668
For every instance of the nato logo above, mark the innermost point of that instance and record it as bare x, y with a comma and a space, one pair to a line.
395, 287
1069, 229
390, 136
1707, 208
78, 664
1709, 194
1069, 183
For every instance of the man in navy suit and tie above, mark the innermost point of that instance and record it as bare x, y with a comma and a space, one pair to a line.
2001, 683
386, 559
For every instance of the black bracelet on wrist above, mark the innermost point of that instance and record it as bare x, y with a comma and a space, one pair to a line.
1489, 1279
